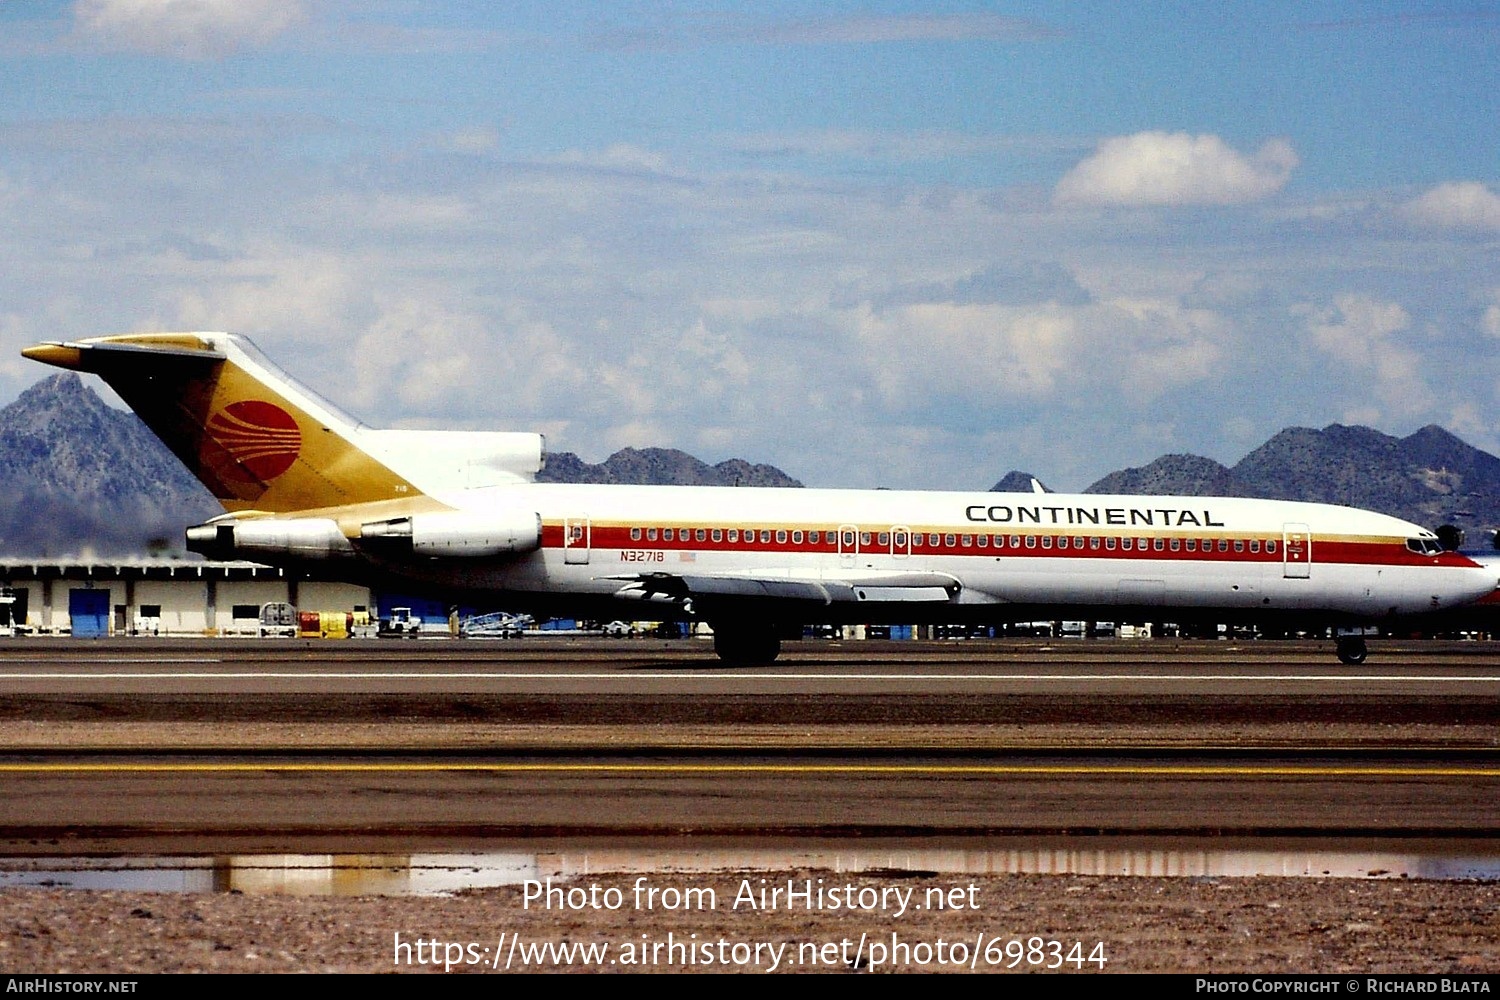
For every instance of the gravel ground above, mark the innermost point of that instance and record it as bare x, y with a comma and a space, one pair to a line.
1182, 925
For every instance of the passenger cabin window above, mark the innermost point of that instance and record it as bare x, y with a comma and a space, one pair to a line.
734, 534
650, 534
1031, 541
1192, 545
984, 541
718, 535
1094, 543
1046, 541
635, 534
668, 534
796, 538
781, 536
1159, 544
1126, 544
765, 536
1223, 545
1255, 545
1015, 541
1176, 545
1109, 543
1239, 545
1270, 546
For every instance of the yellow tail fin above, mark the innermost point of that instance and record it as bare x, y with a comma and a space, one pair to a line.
249, 432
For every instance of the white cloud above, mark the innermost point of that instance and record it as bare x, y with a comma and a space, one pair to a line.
190, 29
898, 146
619, 156
477, 140
1489, 319
1128, 349
1456, 205
1174, 168
1361, 334
940, 337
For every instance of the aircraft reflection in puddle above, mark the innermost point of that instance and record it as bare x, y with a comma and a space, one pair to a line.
442, 874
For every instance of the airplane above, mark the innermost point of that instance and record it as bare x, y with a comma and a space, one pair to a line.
458, 514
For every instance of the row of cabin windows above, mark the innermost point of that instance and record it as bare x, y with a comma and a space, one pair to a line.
903, 539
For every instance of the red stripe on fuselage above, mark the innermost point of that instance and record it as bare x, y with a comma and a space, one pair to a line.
606, 538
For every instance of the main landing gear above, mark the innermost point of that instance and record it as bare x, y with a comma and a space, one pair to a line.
1352, 649
746, 644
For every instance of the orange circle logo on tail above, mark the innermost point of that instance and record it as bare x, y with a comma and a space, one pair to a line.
260, 437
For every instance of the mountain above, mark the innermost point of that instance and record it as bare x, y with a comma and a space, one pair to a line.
1191, 475
1016, 481
82, 476
660, 467
1430, 477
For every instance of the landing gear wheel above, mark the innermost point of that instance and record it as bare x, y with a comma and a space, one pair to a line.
742, 645
1352, 650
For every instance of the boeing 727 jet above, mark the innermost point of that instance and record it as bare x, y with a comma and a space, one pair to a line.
458, 514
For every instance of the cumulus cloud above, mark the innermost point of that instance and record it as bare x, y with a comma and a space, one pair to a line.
1456, 205
1489, 322
1174, 168
1134, 349
189, 29
1361, 334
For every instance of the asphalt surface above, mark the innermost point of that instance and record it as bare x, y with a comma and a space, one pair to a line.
133, 745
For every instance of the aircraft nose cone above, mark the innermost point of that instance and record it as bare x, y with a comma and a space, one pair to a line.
54, 354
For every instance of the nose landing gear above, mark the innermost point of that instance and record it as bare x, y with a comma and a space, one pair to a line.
1352, 649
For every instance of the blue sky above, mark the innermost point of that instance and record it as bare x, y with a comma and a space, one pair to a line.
909, 245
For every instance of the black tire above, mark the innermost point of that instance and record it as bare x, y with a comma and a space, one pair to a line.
1352, 651
747, 645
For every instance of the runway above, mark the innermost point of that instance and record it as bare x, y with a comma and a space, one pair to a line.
276, 746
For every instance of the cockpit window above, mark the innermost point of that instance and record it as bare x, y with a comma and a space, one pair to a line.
1425, 546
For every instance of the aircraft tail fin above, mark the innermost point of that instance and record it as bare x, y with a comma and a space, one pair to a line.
255, 437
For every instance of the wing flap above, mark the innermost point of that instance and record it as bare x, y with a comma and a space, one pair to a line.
857, 588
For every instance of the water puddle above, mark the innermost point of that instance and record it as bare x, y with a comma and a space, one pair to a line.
443, 874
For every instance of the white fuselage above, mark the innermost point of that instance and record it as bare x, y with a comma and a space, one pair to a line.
927, 555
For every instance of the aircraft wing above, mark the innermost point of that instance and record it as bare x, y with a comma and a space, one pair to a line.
736, 588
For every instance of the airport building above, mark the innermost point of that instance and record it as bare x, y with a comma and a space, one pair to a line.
162, 597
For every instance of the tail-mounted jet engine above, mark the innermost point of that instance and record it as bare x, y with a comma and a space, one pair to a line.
298, 538
457, 534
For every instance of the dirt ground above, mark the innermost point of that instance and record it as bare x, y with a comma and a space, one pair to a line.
834, 923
